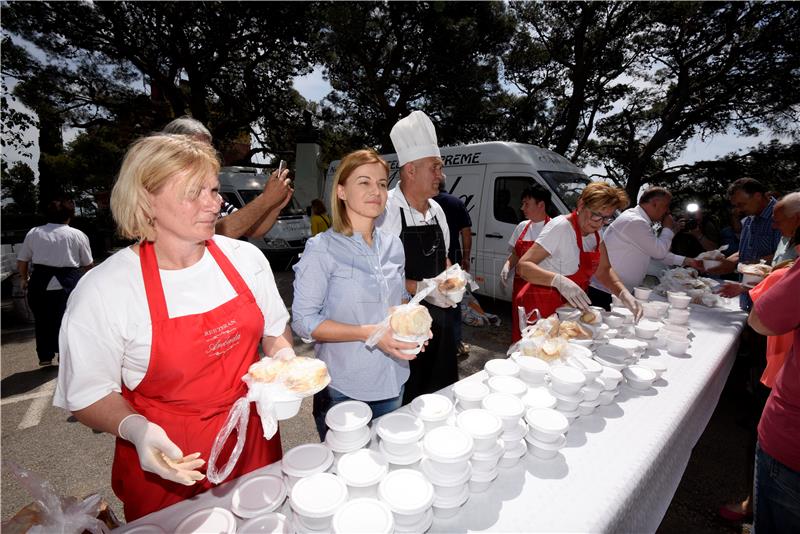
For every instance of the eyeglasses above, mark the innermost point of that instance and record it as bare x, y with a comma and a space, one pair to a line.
597, 217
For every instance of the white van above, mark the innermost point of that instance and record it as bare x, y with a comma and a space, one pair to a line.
287, 238
489, 178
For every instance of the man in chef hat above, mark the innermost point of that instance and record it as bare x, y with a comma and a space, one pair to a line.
413, 215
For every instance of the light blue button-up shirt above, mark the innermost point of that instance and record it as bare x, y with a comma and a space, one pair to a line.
343, 279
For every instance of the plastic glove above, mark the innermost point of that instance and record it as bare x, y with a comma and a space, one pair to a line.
504, 274
435, 297
388, 344
157, 453
632, 304
571, 291
285, 354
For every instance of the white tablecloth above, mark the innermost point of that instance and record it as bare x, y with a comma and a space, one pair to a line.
620, 466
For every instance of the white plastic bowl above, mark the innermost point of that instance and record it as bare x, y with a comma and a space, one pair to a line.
481, 481
482, 425
642, 293
617, 365
565, 312
501, 367
592, 389
306, 460
639, 377
400, 428
348, 418
258, 495
513, 452
610, 378
631, 346
487, 460
273, 523
546, 424
433, 409
507, 407
679, 302
585, 364
656, 365
444, 479
532, 370
539, 397
567, 403
681, 330
408, 494
362, 471
214, 519
507, 384
316, 498
286, 405
517, 433
445, 507
677, 346
613, 320
607, 397
338, 446
566, 380
410, 455
625, 313
678, 316
363, 515
587, 408
419, 340
470, 393
545, 450
449, 445
647, 329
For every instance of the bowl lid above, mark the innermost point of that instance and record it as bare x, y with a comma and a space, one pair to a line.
258, 495
213, 519
503, 404
547, 420
400, 428
308, 459
444, 478
568, 375
501, 366
539, 398
319, 495
336, 444
363, 515
507, 384
448, 444
585, 364
640, 373
272, 523
406, 491
471, 390
362, 468
533, 364
479, 423
609, 373
432, 407
348, 415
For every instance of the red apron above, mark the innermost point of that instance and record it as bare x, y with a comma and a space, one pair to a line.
193, 378
520, 247
546, 299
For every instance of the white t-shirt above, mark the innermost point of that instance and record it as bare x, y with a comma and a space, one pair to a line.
530, 235
106, 332
558, 238
56, 245
391, 222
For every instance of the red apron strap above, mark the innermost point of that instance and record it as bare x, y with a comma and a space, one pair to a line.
227, 267
152, 282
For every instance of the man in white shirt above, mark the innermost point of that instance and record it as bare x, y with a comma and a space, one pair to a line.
632, 241
413, 215
57, 252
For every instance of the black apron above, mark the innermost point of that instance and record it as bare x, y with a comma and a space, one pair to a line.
48, 307
426, 257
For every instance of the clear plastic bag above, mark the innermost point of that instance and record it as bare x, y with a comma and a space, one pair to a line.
58, 516
237, 418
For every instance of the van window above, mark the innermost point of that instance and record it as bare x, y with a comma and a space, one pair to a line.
508, 197
231, 199
567, 185
292, 209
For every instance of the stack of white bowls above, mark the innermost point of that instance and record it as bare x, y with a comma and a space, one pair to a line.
362, 471
348, 428
592, 388
469, 394
315, 500
532, 371
363, 515
448, 450
540, 397
305, 461
507, 384
639, 377
409, 495
610, 379
501, 367
400, 435
485, 429
546, 432
433, 409
565, 385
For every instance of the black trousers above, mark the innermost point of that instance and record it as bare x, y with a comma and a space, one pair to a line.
599, 298
48, 309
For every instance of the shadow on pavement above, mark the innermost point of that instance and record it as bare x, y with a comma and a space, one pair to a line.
27, 381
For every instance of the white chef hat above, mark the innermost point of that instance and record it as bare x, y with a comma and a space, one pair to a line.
414, 137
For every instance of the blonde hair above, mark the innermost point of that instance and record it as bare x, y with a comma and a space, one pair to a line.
148, 165
353, 160
600, 195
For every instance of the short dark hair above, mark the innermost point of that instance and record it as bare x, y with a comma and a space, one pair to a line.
60, 210
538, 193
750, 186
652, 193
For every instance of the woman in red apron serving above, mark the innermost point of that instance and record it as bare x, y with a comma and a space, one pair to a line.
155, 342
535, 200
558, 267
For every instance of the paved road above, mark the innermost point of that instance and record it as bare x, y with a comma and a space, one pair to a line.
77, 460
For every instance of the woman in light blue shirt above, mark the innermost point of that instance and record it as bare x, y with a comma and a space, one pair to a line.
345, 284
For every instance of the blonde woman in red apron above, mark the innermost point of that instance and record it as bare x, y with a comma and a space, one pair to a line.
558, 267
535, 200
179, 317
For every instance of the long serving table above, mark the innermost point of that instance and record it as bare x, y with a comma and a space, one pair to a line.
619, 469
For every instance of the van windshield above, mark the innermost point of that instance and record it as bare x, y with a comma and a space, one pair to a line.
567, 185
291, 209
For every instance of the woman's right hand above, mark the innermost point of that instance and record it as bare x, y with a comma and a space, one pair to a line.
571, 291
158, 454
393, 347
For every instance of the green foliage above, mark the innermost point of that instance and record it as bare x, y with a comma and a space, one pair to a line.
18, 184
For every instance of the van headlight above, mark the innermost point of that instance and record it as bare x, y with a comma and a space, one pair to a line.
276, 243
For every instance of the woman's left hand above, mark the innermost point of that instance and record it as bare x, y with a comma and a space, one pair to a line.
394, 347
632, 304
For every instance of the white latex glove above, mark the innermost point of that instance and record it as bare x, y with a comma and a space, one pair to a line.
632, 304
436, 297
504, 274
158, 454
285, 354
571, 291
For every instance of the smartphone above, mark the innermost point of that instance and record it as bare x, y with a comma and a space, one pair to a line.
281, 167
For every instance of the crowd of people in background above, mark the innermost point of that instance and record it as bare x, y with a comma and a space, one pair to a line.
131, 328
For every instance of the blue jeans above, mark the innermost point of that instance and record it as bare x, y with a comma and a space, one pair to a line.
329, 397
777, 496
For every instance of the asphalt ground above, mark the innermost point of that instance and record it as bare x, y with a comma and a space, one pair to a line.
77, 461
